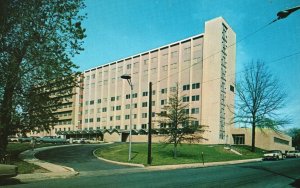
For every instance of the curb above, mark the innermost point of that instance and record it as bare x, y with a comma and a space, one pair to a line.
117, 162
201, 165
56, 171
179, 166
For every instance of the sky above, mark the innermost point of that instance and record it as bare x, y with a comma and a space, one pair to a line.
117, 29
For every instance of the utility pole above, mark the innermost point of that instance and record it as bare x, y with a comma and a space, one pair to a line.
149, 124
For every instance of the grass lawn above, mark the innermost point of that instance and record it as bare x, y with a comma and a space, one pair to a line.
14, 149
162, 154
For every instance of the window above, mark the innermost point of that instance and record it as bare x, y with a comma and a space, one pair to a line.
93, 76
134, 116
98, 110
127, 116
164, 90
99, 101
85, 121
144, 104
153, 92
98, 119
128, 96
112, 98
145, 93
144, 126
186, 111
195, 110
118, 107
129, 66
118, 127
86, 102
195, 123
91, 120
111, 118
146, 61
196, 85
126, 127
118, 117
195, 98
173, 89
186, 87
134, 95
186, 99
153, 103
135, 105
134, 126
112, 108
91, 111
104, 109
281, 141
232, 88
127, 106
163, 102
163, 113
238, 139
144, 115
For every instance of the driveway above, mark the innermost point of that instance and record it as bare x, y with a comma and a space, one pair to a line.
79, 157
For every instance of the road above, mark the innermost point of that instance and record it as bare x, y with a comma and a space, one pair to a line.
95, 173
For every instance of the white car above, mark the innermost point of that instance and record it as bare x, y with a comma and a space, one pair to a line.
80, 141
273, 155
295, 153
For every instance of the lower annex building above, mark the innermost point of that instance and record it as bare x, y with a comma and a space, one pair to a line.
204, 68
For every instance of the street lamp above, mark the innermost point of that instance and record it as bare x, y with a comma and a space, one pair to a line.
128, 78
285, 13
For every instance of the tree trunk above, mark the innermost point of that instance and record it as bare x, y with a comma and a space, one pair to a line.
6, 107
5, 114
175, 151
253, 138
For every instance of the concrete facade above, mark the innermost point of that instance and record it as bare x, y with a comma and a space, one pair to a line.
264, 138
203, 66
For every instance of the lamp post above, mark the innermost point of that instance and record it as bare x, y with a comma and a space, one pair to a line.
128, 78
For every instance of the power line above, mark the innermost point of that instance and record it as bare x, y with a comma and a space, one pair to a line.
231, 45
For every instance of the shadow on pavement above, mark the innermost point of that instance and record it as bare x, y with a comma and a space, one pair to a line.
9, 181
296, 183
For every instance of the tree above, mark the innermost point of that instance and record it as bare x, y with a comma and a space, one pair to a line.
37, 41
295, 134
176, 122
259, 99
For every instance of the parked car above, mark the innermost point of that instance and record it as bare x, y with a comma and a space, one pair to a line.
25, 139
13, 139
273, 155
7, 171
80, 141
295, 153
52, 139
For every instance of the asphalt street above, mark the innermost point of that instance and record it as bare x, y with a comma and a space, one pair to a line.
96, 173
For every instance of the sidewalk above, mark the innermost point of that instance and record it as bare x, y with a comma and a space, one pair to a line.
55, 171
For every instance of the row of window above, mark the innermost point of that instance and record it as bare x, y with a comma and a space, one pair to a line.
194, 98
145, 93
127, 116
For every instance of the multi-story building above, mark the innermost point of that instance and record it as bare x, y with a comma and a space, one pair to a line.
203, 66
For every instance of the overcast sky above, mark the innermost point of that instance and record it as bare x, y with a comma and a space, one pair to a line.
120, 28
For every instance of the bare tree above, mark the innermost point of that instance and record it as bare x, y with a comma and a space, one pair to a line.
176, 122
259, 99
